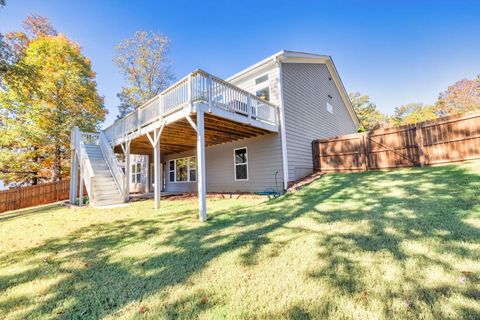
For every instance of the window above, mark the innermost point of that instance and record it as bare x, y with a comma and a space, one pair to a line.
182, 170
263, 93
192, 169
241, 164
172, 171
261, 79
136, 172
262, 89
329, 108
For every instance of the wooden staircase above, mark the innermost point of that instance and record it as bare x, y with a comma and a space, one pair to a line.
99, 171
105, 190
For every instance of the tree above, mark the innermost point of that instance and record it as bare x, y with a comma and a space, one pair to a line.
462, 96
14, 44
48, 90
368, 115
412, 113
3, 49
143, 62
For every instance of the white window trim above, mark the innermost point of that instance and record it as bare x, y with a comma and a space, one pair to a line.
236, 164
175, 170
263, 85
136, 176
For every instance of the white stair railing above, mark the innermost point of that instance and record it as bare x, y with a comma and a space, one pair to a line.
112, 162
81, 139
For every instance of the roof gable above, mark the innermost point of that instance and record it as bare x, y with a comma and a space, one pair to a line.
286, 56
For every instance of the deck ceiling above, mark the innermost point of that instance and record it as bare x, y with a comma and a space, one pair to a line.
179, 136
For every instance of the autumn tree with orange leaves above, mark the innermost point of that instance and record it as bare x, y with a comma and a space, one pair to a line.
48, 87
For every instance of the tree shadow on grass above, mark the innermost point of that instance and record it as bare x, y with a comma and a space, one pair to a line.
101, 284
416, 219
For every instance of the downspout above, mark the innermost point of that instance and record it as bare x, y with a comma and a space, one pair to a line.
283, 134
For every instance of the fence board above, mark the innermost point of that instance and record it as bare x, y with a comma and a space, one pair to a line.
444, 140
30, 196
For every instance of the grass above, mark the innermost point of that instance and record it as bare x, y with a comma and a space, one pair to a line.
403, 244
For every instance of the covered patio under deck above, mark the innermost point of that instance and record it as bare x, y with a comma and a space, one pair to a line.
197, 112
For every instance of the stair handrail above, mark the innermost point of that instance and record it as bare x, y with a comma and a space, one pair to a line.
84, 162
112, 162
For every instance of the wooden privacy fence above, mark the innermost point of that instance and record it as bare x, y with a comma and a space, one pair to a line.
448, 139
25, 197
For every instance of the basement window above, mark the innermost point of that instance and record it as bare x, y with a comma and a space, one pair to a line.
182, 170
241, 164
136, 172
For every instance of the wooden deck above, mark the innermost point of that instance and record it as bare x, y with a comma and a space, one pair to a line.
180, 136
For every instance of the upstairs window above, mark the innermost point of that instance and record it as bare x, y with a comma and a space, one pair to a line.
261, 79
241, 164
329, 108
263, 94
262, 88
182, 170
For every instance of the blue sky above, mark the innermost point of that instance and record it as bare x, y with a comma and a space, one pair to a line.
395, 51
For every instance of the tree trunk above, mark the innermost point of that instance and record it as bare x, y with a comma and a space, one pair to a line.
56, 164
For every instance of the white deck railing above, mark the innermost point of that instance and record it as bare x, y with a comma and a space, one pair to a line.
198, 86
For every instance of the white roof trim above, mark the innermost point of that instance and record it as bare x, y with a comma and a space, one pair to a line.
286, 56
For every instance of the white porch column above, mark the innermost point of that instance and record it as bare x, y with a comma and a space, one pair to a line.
80, 192
126, 189
202, 203
73, 177
157, 173
147, 175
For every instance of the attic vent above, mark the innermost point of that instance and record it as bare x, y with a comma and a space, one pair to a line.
261, 79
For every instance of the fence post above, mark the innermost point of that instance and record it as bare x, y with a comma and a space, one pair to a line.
419, 142
315, 158
363, 150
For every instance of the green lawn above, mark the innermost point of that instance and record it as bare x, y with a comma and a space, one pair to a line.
403, 244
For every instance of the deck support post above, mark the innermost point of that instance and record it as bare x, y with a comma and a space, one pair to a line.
126, 177
157, 173
147, 175
73, 177
202, 203
73, 168
80, 187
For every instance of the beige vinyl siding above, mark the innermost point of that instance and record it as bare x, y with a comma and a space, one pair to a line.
264, 159
306, 89
247, 81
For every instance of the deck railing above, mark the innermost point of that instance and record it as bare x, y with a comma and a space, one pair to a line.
198, 86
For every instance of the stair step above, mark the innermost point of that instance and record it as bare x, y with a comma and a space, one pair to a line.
102, 173
104, 183
109, 198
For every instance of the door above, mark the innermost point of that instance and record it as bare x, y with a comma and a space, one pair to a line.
152, 177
